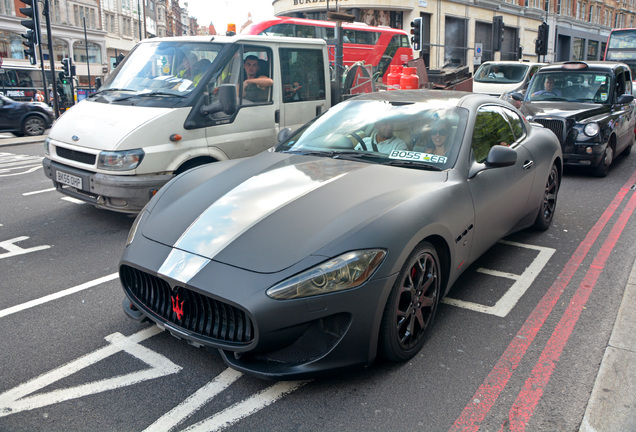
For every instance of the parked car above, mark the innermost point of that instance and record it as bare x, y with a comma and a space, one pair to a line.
336, 246
24, 118
589, 106
500, 78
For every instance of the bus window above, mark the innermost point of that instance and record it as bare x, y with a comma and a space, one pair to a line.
279, 30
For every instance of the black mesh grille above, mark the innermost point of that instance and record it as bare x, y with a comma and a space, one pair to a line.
77, 156
556, 126
201, 315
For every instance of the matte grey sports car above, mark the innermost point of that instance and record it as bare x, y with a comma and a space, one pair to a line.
336, 246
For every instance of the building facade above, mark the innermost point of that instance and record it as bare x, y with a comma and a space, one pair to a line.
460, 31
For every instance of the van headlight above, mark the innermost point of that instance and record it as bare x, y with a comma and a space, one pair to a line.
47, 146
125, 160
346, 271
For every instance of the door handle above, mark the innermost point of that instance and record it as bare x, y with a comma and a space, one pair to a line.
277, 116
528, 164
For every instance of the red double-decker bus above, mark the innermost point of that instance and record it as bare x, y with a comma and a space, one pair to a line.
379, 47
621, 46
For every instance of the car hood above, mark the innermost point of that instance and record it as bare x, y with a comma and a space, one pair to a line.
270, 211
114, 123
574, 110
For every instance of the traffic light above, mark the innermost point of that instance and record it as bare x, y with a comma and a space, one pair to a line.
63, 78
416, 34
29, 45
66, 66
497, 33
32, 36
541, 44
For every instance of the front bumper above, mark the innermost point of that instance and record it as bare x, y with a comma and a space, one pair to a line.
226, 309
121, 193
583, 154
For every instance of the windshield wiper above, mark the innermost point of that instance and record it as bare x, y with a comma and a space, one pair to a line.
412, 164
161, 93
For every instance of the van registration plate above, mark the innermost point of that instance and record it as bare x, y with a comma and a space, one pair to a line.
68, 179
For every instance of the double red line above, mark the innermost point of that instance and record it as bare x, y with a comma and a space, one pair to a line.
523, 408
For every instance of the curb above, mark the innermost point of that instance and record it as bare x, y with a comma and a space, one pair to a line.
9, 141
612, 404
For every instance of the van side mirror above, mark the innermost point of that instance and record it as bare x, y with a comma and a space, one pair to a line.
284, 134
226, 102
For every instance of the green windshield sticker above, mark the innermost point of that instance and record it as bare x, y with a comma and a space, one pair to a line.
599, 78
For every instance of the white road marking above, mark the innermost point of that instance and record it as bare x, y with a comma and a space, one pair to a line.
23, 163
38, 192
247, 407
17, 399
522, 282
193, 403
14, 250
57, 295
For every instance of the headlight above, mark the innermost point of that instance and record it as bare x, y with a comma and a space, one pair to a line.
47, 143
591, 129
133, 229
121, 160
346, 271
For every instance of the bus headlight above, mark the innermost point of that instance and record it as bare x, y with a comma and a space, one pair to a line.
120, 160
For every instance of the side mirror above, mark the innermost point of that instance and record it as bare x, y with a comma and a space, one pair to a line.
98, 83
625, 99
284, 134
501, 156
226, 102
517, 96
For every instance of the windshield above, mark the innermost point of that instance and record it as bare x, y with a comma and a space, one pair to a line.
570, 86
426, 134
501, 73
168, 68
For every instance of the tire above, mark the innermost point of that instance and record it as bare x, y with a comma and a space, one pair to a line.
628, 150
602, 168
549, 201
33, 125
411, 307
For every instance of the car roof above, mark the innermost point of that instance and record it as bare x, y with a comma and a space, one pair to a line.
573, 66
512, 62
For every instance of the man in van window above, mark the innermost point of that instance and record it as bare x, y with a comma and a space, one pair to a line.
256, 85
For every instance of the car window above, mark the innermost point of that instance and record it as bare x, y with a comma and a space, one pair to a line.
491, 128
516, 123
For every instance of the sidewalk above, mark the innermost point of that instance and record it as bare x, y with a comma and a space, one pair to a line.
7, 139
612, 404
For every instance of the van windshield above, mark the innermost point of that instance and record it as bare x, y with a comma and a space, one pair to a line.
163, 68
501, 73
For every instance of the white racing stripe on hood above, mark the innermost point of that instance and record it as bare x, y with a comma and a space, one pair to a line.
239, 210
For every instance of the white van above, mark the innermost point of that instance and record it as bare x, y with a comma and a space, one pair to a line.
498, 78
175, 103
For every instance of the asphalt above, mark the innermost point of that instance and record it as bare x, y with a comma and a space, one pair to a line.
612, 403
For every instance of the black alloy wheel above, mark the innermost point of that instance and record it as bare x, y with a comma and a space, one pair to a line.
549, 202
410, 310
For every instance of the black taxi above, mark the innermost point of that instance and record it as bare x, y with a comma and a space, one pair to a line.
590, 108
